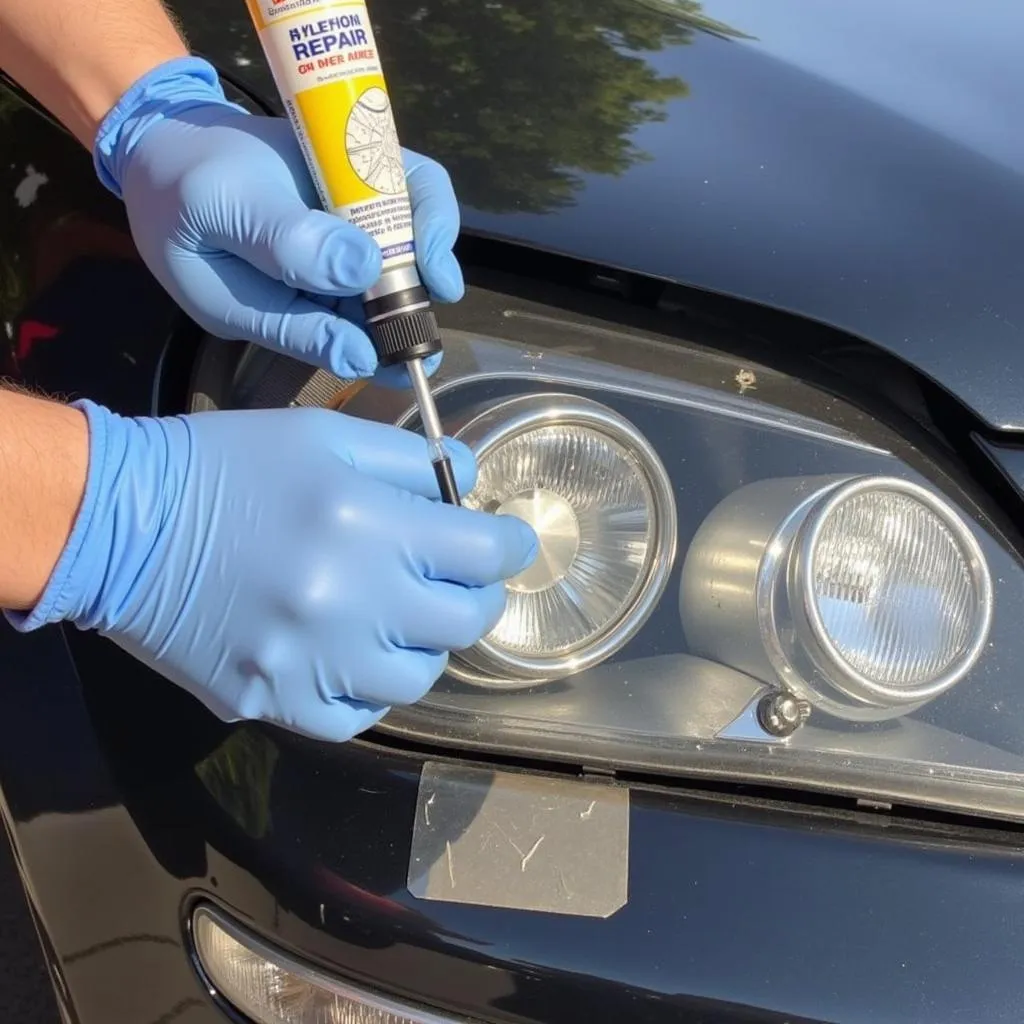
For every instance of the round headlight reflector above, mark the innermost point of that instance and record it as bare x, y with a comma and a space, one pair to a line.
601, 504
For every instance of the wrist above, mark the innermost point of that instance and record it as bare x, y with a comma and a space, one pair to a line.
130, 494
169, 90
43, 467
62, 592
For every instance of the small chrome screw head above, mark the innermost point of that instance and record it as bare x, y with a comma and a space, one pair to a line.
781, 714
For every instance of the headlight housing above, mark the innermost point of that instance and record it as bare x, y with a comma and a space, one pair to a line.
771, 586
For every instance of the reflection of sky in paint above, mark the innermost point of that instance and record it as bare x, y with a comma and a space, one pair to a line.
953, 71
951, 66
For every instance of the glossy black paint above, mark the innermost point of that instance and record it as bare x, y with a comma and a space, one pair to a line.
740, 910
757, 914
858, 163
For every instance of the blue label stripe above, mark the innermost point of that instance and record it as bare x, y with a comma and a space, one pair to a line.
397, 250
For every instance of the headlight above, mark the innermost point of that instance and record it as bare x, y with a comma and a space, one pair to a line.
865, 597
269, 987
740, 577
601, 503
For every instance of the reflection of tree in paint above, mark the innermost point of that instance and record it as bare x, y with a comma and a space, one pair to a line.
518, 98
238, 775
530, 94
372, 143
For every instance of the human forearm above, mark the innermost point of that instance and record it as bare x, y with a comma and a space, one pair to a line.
44, 460
79, 59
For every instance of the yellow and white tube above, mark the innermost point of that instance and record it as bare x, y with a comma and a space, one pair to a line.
325, 63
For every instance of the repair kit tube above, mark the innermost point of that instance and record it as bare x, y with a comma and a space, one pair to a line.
325, 64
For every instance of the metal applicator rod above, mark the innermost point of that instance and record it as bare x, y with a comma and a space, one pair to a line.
439, 457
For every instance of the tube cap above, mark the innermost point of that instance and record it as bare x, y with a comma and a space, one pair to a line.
404, 337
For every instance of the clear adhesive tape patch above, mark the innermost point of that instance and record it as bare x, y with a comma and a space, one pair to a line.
522, 842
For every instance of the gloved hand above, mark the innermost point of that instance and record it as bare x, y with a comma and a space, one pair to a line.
284, 565
224, 213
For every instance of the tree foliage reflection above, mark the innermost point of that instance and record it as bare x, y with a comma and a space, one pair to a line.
519, 100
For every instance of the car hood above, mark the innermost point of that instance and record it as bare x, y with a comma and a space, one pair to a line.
858, 163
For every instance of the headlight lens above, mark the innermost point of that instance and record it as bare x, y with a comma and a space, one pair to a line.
601, 504
898, 592
726, 586
272, 988
864, 596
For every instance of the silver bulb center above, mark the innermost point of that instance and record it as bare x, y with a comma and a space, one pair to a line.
558, 535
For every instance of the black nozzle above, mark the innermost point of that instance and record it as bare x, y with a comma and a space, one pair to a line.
405, 336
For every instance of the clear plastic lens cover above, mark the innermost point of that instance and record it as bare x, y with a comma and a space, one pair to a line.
892, 589
804, 561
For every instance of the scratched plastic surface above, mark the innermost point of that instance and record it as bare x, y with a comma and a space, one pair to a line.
525, 842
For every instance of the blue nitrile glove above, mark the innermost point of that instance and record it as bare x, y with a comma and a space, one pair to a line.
284, 565
224, 212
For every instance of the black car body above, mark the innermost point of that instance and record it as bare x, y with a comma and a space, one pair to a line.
817, 208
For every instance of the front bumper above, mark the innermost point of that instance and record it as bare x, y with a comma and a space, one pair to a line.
735, 910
